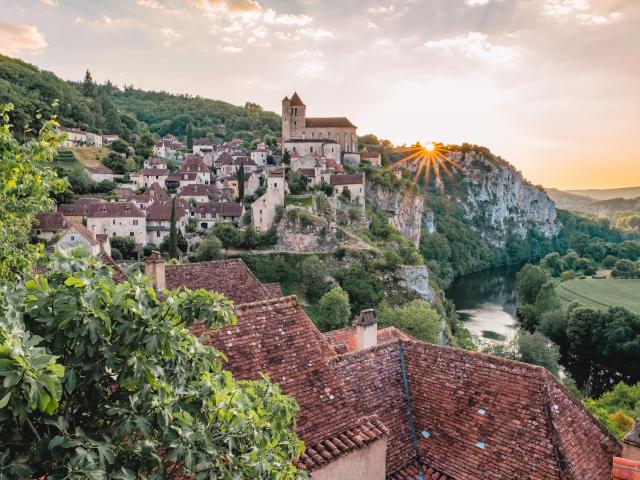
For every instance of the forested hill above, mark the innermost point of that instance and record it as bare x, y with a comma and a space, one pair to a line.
107, 109
166, 113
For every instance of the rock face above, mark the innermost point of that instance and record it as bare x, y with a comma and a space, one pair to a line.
500, 201
416, 279
404, 210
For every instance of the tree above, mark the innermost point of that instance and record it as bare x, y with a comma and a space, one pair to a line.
208, 249
297, 182
617, 408
529, 281
115, 162
315, 277
554, 263
333, 310
189, 137
249, 239
417, 318
88, 365
173, 233
240, 176
625, 269
536, 349
547, 299
125, 245
88, 85
26, 181
228, 233
119, 146
286, 158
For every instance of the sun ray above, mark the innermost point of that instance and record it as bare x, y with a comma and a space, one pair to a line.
423, 161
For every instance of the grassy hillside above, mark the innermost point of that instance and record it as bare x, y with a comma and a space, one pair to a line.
89, 156
602, 293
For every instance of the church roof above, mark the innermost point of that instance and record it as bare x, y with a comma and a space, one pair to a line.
324, 122
296, 101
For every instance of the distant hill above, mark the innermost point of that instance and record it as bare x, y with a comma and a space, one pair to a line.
129, 112
608, 193
569, 201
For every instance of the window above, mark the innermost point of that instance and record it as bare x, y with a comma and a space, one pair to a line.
275, 184
114, 221
310, 149
131, 234
135, 222
73, 238
158, 233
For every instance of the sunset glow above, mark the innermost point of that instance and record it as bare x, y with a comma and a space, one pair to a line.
427, 160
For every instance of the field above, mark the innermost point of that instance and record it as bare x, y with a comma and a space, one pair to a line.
90, 156
602, 293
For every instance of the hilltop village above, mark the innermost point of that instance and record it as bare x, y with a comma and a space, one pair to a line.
375, 403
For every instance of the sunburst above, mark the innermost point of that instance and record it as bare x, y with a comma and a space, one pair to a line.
426, 160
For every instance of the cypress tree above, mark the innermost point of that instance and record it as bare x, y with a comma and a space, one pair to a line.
240, 177
88, 85
189, 137
173, 233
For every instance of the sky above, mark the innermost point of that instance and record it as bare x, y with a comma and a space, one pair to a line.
552, 86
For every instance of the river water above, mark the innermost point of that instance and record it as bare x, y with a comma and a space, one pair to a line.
486, 302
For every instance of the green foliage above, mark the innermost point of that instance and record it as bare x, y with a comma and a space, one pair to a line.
228, 234
416, 318
165, 113
537, 349
26, 181
314, 278
334, 310
208, 249
625, 269
125, 245
297, 182
358, 279
240, 176
529, 282
87, 365
617, 408
174, 252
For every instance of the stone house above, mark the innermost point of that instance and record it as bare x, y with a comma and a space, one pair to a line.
94, 140
296, 125
76, 212
252, 182
176, 181
79, 236
196, 164
48, 225
259, 156
208, 214
75, 137
263, 210
147, 176
155, 162
158, 219
354, 184
373, 158
202, 146
99, 173
378, 404
200, 193
324, 148
122, 219
109, 139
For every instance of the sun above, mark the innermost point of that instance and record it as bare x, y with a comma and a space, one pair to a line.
425, 160
429, 147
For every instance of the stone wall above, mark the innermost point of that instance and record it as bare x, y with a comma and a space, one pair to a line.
416, 279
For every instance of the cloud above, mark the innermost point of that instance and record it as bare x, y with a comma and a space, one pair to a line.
170, 35
595, 19
476, 45
236, 7
311, 70
104, 20
372, 25
315, 33
155, 5
563, 8
51, 3
230, 49
21, 39
473, 3
271, 17
381, 10
385, 42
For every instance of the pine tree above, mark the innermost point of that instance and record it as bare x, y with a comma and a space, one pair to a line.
88, 85
173, 233
286, 158
240, 176
189, 137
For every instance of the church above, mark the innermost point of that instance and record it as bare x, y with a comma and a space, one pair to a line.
305, 135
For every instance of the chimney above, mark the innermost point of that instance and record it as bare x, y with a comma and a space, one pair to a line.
631, 443
366, 325
154, 269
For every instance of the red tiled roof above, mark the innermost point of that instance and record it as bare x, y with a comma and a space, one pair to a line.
308, 172
346, 180
328, 122
229, 277
416, 470
369, 155
367, 430
332, 164
625, 469
201, 190
160, 210
86, 233
194, 163
344, 339
274, 290
51, 221
154, 171
223, 209
113, 209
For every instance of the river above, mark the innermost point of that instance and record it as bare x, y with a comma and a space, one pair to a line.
486, 302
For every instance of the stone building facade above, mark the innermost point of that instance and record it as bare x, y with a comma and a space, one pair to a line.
296, 125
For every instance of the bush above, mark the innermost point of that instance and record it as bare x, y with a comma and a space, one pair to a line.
209, 249
126, 246
418, 318
115, 254
333, 310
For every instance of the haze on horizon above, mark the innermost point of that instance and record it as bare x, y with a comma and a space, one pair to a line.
550, 85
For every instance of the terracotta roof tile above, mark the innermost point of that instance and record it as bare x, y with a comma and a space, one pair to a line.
113, 209
328, 122
296, 101
273, 290
51, 221
346, 180
229, 277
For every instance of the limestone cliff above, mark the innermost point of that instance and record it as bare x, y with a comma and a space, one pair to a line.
499, 201
404, 210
